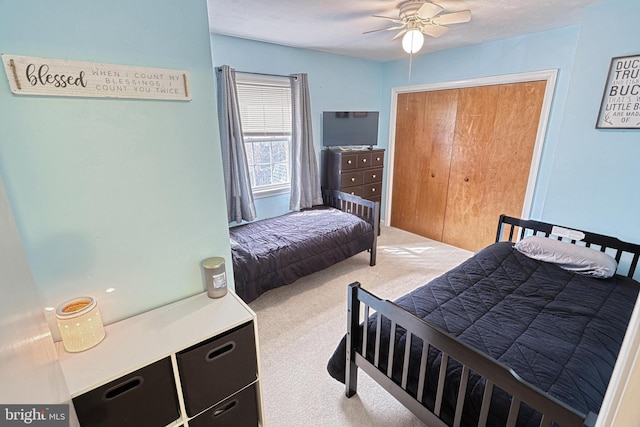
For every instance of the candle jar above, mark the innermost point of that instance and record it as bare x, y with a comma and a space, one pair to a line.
80, 324
215, 277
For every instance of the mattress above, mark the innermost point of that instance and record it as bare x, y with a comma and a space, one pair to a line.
558, 330
277, 251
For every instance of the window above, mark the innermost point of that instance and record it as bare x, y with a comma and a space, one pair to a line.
265, 111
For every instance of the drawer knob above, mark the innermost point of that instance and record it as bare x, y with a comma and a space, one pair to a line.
373, 176
348, 162
364, 160
373, 190
352, 179
377, 159
220, 351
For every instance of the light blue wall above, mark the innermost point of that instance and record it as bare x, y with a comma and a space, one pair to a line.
335, 83
110, 192
595, 174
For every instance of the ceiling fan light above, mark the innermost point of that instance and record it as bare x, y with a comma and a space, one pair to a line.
412, 41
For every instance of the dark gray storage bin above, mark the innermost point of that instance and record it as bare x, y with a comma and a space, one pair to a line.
215, 369
146, 397
239, 410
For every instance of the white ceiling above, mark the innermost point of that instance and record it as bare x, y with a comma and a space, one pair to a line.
336, 26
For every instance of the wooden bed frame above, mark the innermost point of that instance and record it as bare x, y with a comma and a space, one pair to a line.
495, 373
367, 210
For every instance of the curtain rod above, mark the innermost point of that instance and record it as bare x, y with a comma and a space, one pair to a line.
264, 74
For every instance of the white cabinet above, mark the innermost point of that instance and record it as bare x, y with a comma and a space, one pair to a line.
190, 363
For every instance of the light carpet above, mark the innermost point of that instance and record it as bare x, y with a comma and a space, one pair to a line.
300, 325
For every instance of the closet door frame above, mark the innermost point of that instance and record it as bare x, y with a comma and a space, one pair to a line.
548, 75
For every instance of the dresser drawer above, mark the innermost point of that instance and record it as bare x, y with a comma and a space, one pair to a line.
146, 397
356, 191
239, 410
364, 160
217, 368
348, 161
377, 158
371, 176
351, 179
370, 190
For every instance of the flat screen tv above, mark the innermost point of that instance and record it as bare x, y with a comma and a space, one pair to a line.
349, 128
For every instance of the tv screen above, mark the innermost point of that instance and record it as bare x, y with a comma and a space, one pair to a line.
348, 128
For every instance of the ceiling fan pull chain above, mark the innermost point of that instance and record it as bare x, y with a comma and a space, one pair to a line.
409, 81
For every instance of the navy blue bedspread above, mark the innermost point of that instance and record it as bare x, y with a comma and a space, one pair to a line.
277, 251
558, 330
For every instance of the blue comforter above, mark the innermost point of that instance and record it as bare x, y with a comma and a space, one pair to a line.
277, 251
558, 330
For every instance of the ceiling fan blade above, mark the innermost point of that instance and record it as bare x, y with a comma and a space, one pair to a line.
453, 18
388, 18
396, 27
434, 30
400, 34
428, 10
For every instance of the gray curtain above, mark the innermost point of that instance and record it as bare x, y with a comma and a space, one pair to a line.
237, 183
305, 180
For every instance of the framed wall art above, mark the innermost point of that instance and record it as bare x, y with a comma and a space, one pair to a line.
29, 75
620, 106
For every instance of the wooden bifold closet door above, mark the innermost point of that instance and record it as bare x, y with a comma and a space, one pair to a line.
462, 157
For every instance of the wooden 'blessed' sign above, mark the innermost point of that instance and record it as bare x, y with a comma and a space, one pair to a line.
58, 77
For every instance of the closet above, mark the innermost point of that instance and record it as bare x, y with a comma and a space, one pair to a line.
462, 157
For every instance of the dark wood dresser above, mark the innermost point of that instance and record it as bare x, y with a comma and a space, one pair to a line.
357, 172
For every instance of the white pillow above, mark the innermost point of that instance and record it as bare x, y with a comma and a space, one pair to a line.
579, 259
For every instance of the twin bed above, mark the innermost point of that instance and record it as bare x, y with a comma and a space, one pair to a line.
277, 251
523, 334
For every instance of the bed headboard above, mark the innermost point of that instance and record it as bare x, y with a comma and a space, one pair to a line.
363, 208
626, 254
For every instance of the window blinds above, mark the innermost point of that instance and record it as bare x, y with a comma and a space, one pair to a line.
265, 104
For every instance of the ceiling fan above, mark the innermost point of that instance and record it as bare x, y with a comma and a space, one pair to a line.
418, 17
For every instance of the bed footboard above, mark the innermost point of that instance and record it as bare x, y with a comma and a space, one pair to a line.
362, 303
368, 210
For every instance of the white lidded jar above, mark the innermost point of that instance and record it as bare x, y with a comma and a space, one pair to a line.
215, 277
